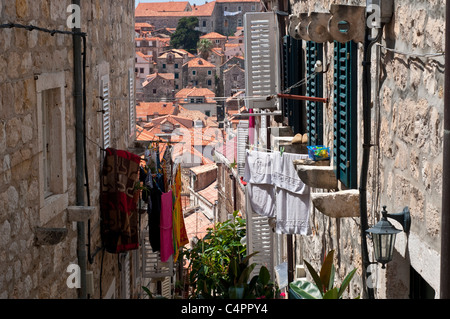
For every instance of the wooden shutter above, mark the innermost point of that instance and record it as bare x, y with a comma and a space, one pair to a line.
242, 138
125, 276
152, 267
345, 112
132, 104
106, 108
314, 87
260, 238
261, 58
292, 74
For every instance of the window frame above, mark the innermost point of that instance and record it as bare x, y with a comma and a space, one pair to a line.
54, 200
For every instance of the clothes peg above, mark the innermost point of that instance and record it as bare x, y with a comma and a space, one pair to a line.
281, 151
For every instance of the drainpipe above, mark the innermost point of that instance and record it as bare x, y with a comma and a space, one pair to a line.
366, 78
78, 105
445, 217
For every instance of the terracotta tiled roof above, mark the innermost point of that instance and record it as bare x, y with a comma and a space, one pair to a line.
197, 225
149, 108
199, 63
217, 51
213, 35
194, 92
151, 77
162, 7
210, 193
224, 1
176, 55
143, 135
138, 25
201, 10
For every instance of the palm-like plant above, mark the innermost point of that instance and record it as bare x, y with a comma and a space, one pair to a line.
204, 47
323, 286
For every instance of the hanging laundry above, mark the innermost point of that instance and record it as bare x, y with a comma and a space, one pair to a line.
292, 195
118, 206
166, 226
179, 229
262, 199
258, 175
258, 167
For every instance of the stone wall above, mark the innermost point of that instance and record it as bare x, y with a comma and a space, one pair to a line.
406, 168
30, 60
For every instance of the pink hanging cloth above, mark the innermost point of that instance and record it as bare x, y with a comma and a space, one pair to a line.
166, 225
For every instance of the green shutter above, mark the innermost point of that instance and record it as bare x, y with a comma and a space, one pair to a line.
314, 87
345, 113
293, 72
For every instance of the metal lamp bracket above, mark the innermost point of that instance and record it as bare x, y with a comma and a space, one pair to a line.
404, 218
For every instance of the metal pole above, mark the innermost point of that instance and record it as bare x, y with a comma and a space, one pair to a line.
303, 98
78, 105
445, 217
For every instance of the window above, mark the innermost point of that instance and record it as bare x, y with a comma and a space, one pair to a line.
239, 8
194, 72
154, 91
176, 87
253, 7
176, 75
239, 22
204, 23
314, 87
209, 72
164, 66
345, 111
53, 196
225, 23
141, 70
176, 65
217, 41
209, 82
208, 113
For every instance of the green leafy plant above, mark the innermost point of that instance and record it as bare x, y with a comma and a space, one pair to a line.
220, 267
323, 286
211, 256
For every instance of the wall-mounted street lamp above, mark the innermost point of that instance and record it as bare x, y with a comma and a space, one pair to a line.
383, 234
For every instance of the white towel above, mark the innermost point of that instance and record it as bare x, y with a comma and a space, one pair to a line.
292, 195
258, 167
284, 173
262, 199
292, 213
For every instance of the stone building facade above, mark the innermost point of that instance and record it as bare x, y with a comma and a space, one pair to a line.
37, 107
211, 15
405, 168
199, 73
158, 87
233, 80
232, 13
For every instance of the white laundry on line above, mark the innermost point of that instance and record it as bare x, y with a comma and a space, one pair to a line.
276, 190
292, 195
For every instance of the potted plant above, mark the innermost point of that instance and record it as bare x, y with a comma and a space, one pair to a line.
323, 286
